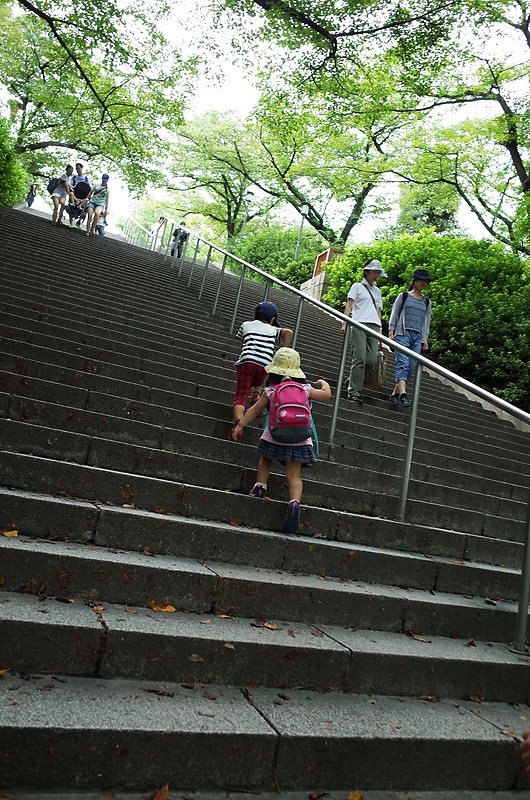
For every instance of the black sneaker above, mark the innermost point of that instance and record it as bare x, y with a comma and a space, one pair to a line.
258, 491
404, 401
393, 400
292, 518
356, 398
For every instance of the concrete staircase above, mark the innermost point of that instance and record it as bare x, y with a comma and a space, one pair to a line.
365, 654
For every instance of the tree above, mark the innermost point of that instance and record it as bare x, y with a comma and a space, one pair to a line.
13, 178
74, 89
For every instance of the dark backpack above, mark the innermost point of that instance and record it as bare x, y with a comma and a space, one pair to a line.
289, 413
53, 184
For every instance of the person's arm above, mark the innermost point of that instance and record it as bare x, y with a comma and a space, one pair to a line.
250, 415
347, 311
426, 326
107, 202
393, 318
320, 390
286, 337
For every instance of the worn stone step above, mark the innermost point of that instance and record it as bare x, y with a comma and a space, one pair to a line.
99, 574
104, 640
175, 794
116, 734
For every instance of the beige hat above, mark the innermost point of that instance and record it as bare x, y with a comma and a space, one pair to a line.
286, 362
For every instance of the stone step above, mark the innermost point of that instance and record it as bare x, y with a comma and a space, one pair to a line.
49, 636
321, 502
117, 734
460, 794
197, 463
105, 574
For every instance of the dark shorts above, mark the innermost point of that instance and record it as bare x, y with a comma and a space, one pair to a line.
247, 375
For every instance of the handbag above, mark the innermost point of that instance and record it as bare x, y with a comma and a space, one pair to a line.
375, 374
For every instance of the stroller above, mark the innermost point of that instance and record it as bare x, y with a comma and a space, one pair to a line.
77, 210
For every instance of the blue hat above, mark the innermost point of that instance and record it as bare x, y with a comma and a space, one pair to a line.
104, 177
268, 310
421, 275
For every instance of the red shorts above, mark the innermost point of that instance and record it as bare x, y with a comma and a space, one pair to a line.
247, 375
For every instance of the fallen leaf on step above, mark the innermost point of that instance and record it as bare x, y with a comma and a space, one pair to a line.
162, 607
315, 632
354, 796
205, 621
475, 698
208, 695
64, 600
235, 521
128, 505
430, 698
315, 795
3, 672
418, 638
161, 511
196, 658
523, 718
131, 611
511, 734
471, 643
162, 793
276, 702
9, 533
229, 646
271, 626
395, 724
98, 609
225, 616
188, 685
147, 552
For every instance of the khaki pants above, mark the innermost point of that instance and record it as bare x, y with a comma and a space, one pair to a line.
364, 353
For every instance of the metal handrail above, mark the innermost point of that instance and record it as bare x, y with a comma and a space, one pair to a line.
422, 361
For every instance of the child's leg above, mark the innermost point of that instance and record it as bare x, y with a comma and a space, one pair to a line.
264, 468
243, 383
294, 481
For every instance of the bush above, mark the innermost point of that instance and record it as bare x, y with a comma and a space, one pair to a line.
14, 182
481, 295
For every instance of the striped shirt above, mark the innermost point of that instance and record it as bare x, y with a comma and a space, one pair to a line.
259, 342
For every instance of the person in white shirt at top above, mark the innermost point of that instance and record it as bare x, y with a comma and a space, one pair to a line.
364, 303
60, 194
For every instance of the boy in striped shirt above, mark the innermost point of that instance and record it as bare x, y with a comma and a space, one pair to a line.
260, 337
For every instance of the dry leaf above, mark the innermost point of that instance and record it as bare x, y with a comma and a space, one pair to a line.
316, 795
162, 793
271, 626
3, 672
354, 796
235, 521
196, 658
9, 533
395, 724
98, 609
511, 734
229, 646
161, 511
64, 600
418, 638
225, 616
476, 699
128, 505
430, 698
188, 685
283, 696
205, 621
208, 695
314, 632
276, 702
131, 611
162, 607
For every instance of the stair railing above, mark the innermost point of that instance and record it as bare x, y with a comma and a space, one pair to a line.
245, 267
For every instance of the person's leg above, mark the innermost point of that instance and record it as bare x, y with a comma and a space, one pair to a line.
295, 486
89, 215
372, 346
358, 360
55, 201
97, 214
262, 477
62, 201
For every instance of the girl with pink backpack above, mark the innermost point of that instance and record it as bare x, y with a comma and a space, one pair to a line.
287, 435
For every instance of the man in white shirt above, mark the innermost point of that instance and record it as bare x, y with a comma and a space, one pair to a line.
364, 303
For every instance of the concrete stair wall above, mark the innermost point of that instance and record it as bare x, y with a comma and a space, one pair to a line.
343, 657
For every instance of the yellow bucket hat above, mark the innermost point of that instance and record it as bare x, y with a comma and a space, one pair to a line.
286, 362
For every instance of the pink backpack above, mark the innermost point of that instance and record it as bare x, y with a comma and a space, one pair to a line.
289, 413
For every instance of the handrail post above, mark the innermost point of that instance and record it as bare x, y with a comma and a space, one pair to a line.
205, 271
524, 593
410, 443
193, 262
238, 298
297, 321
218, 292
267, 290
340, 378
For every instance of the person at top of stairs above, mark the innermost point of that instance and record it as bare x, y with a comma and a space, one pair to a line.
364, 303
260, 337
409, 325
294, 455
